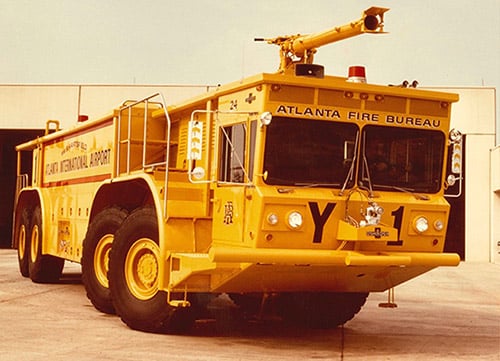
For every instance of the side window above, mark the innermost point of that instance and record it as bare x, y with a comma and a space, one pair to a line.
236, 157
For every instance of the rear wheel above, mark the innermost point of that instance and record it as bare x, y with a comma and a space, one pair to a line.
321, 309
95, 258
42, 268
21, 230
134, 266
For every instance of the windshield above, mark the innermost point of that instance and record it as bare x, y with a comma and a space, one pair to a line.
395, 158
308, 152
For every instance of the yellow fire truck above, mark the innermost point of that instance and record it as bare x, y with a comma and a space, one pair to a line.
294, 189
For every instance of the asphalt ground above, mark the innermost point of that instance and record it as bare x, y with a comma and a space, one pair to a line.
446, 314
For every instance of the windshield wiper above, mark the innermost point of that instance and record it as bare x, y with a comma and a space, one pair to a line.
419, 196
366, 168
353, 163
290, 183
314, 185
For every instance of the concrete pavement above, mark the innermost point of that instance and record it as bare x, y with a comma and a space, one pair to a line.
446, 314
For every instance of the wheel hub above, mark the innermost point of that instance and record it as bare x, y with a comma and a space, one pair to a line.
101, 259
147, 270
21, 244
141, 268
34, 243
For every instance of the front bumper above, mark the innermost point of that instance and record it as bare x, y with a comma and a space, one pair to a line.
241, 270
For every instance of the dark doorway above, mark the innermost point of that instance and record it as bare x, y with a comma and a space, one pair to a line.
455, 235
9, 138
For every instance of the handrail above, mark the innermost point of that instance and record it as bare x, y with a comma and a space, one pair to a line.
167, 156
47, 126
128, 140
21, 183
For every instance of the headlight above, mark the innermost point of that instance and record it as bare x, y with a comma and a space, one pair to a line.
421, 224
272, 219
438, 225
295, 220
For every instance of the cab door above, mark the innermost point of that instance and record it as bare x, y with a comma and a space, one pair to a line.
234, 179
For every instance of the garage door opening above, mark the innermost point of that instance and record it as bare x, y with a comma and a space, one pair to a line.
9, 138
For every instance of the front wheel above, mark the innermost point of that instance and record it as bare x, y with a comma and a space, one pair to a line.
134, 266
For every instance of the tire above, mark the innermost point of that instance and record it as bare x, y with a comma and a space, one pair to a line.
133, 278
95, 257
320, 310
42, 268
22, 241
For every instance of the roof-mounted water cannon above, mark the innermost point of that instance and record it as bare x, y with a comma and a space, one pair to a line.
296, 50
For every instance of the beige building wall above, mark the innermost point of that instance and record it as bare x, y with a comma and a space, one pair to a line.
474, 116
30, 106
495, 204
97, 101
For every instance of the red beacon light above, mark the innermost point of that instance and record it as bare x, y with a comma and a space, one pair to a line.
357, 74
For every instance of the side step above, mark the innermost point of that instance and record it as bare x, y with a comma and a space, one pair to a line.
191, 272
